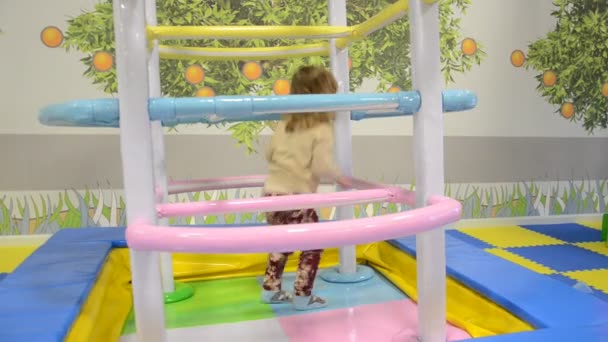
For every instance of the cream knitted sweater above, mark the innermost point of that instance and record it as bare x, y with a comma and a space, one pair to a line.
298, 161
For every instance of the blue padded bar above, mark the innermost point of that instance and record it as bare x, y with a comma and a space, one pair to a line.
173, 111
535, 298
594, 333
3, 275
458, 100
81, 113
42, 297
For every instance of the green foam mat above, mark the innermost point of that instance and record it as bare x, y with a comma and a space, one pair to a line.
214, 302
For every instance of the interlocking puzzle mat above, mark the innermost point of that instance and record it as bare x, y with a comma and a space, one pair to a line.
571, 253
553, 276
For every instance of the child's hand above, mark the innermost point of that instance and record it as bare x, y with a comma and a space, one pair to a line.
344, 182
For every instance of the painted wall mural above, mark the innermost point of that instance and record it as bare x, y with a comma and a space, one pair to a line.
570, 65
48, 213
375, 57
572, 62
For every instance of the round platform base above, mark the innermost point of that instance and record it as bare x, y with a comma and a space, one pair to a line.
182, 292
333, 275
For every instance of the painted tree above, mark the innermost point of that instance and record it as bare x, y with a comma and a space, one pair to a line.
383, 56
572, 62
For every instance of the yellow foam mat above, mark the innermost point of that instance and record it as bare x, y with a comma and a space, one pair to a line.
106, 309
193, 267
12, 256
514, 258
595, 224
466, 308
597, 279
599, 247
510, 236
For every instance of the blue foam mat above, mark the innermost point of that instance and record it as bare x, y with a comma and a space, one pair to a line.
28, 336
569, 232
58, 265
42, 297
562, 258
594, 333
539, 300
113, 235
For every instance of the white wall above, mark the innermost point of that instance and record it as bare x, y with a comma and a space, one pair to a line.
34, 76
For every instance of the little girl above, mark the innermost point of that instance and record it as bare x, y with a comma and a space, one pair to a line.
301, 153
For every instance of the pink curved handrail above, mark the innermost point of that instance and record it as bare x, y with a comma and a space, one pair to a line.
279, 203
256, 181
218, 179
441, 211
181, 186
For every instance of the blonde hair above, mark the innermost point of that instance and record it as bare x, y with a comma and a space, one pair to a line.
310, 80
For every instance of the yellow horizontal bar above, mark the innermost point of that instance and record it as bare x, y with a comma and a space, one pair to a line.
247, 32
385, 17
222, 54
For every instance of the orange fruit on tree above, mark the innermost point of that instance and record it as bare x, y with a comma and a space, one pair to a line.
605, 89
102, 61
468, 46
567, 110
350, 63
394, 89
518, 58
195, 74
205, 92
281, 87
252, 70
549, 78
51, 36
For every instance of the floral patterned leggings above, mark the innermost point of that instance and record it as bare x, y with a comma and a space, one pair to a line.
309, 260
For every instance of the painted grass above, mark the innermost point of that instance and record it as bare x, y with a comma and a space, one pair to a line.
39, 214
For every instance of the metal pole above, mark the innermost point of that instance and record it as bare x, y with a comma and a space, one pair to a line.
158, 145
136, 153
429, 168
344, 154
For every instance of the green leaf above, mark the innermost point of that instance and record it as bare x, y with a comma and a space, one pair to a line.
577, 51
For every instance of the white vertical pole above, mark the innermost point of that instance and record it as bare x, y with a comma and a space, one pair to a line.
158, 145
136, 153
344, 155
428, 155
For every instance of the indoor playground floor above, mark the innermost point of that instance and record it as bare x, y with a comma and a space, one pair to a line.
554, 277
230, 310
376, 310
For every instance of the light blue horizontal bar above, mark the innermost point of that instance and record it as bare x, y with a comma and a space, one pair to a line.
221, 109
455, 100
